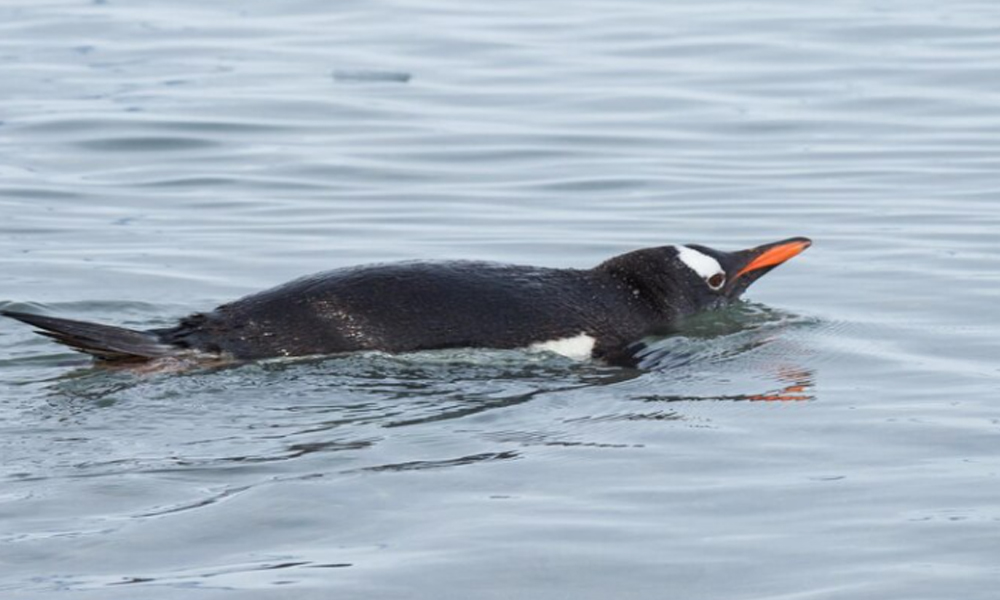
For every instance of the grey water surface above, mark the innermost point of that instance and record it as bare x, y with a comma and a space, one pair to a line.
835, 437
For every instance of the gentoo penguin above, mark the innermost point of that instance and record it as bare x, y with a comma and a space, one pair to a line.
594, 313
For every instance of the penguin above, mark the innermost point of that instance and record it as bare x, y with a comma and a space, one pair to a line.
599, 313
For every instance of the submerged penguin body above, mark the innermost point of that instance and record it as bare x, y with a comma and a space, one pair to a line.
416, 306
584, 313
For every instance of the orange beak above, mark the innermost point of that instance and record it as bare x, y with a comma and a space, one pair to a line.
774, 254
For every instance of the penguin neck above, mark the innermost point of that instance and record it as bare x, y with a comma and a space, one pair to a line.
643, 278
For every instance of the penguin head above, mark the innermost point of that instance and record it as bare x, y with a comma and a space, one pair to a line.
690, 278
717, 277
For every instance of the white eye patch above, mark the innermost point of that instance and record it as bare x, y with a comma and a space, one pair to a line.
702, 264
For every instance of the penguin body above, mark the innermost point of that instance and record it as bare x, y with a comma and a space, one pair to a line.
584, 313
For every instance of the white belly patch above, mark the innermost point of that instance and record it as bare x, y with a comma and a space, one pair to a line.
578, 347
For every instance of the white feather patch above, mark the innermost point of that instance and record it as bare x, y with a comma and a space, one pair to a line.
578, 347
702, 264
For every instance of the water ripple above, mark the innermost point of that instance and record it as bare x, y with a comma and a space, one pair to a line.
158, 162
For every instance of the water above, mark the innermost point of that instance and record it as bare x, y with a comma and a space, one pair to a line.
833, 438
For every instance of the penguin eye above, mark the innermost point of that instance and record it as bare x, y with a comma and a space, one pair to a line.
717, 281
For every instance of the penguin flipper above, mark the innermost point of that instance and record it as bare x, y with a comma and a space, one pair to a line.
103, 342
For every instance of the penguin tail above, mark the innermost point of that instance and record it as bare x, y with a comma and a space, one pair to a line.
103, 342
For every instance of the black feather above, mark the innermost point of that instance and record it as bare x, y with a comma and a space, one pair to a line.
104, 342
